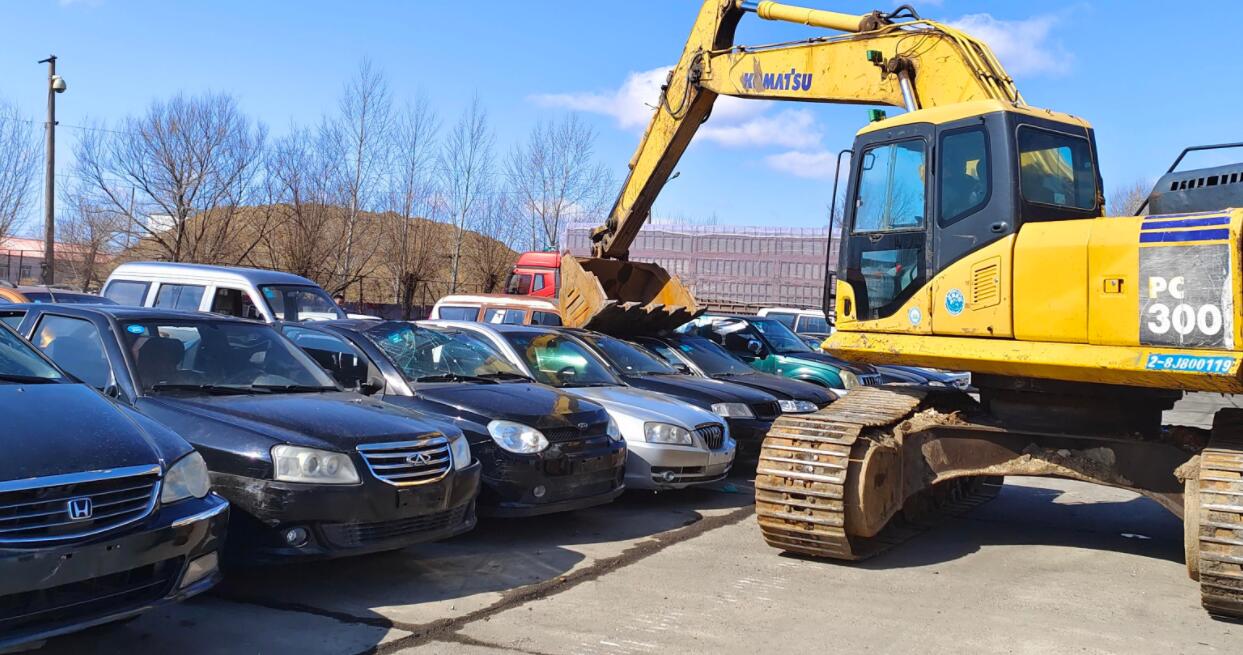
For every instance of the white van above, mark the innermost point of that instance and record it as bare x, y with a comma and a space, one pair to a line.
802, 321
246, 292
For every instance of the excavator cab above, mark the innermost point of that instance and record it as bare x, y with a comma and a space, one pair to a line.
932, 188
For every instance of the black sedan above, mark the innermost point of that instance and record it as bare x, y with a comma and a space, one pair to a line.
542, 450
748, 411
103, 513
311, 470
705, 357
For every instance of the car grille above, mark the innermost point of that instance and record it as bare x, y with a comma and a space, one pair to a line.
356, 535
407, 463
713, 435
572, 433
67, 507
869, 379
766, 410
87, 599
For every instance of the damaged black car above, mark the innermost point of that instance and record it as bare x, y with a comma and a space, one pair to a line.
542, 450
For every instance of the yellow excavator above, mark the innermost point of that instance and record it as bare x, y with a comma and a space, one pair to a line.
973, 239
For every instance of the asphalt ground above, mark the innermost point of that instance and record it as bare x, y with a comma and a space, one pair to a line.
1049, 566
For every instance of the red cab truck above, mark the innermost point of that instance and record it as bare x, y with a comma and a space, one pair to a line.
535, 274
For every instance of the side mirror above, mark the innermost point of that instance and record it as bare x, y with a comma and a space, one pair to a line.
755, 347
370, 387
682, 368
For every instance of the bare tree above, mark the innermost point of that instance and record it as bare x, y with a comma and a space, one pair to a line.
498, 227
180, 174
301, 192
1126, 199
465, 166
556, 179
358, 138
91, 236
409, 247
19, 164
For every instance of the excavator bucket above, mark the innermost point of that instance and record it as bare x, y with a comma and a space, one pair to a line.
619, 297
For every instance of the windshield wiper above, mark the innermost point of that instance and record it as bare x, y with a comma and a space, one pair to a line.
292, 388
454, 377
211, 389
506, 375
28, 379
589, 384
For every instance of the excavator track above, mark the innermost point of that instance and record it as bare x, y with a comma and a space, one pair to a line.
803, 475
1221, 517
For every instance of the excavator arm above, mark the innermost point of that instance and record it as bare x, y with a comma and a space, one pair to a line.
913, 64
893, 59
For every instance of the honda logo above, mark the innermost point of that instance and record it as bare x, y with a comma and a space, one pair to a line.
419, 459
79, 509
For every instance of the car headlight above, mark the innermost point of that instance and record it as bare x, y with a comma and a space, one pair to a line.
797, 406
460, 449
849, 380
732, 410
186, 479
516, 437
666, 433
311, 465
614, 430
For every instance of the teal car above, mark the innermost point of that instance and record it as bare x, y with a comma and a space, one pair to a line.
771, 347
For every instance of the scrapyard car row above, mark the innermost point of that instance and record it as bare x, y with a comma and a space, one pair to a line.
314, 439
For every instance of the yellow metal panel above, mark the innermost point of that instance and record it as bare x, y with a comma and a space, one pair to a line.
986, 312
1051, 281
945, 113
1113, 282
1123, 365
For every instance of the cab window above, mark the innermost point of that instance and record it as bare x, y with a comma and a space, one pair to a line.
519, 284
891, 188
545, 318
127, 292
503, 316
234, 302
964, 183
179, 296
1056, 169
537, 282
76, 346
449, 313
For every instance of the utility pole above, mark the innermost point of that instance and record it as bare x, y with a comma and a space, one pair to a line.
55, 84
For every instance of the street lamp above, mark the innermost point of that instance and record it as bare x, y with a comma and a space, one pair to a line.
55, 84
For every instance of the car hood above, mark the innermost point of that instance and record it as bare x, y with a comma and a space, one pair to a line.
825, 358
331, 421
782, 387
531, 404
646, 405
53, 429
701, 392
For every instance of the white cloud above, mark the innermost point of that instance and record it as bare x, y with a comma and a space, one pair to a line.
734, 123
1023, 46
814, 165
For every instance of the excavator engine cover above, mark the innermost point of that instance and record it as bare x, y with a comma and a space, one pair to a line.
619, 297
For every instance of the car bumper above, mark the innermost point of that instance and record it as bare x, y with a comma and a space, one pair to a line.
662, 466
748, 431
337, 521
563, 478
54, 591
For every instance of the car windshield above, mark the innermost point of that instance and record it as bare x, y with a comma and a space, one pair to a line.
781, 338
425, 355
627, 358
293, 302
20, 363
711, 358
560, 361
219, 356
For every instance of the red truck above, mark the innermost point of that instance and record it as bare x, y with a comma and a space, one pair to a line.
535, 274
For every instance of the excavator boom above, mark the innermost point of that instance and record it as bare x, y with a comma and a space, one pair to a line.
893, 59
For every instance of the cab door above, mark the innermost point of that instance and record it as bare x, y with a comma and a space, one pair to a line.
886, 262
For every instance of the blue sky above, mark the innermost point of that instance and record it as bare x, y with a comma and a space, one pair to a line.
1151, 79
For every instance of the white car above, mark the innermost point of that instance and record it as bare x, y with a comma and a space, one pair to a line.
671, 444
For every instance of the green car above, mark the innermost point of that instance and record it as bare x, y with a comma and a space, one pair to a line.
769, 346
